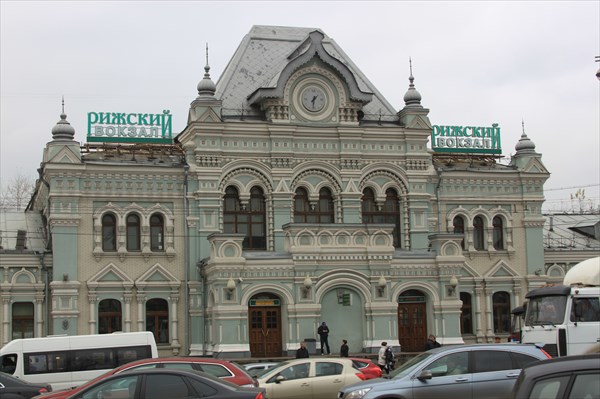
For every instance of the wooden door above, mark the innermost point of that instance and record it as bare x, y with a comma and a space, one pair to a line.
265, 331
412, 326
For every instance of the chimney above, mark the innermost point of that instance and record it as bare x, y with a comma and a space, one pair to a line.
21, 240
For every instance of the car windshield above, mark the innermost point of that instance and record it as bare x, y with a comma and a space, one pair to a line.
407, 367
261, 372
264, 373
546, 310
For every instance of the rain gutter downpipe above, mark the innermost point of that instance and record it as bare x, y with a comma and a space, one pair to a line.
437, 198
187, 247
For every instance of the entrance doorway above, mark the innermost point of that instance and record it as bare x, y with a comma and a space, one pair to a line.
412, 321
264, 313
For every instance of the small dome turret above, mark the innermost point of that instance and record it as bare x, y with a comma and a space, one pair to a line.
63, 129
206, 87
525, 145
412, 98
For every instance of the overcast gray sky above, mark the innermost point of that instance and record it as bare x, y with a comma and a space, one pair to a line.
474, 63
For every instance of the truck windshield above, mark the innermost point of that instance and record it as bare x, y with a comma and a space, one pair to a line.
546, 310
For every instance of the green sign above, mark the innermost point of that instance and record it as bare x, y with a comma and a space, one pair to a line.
466, 139
115, 127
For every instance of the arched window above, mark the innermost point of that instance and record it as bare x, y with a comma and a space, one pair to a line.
389, 212
458, 224
250, 221
321, 212
157, 233
109, 232
501, 311
157, 319
133, 232
22, 320
109, 316
301, 206
478, 233
466, 315
498, 232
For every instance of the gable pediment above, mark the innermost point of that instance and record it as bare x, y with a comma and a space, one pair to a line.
65, 155
209, 116
535, 166
467, 272
502, 270
157, 276
111, 276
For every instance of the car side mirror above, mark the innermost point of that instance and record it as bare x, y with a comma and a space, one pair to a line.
279, 378
425, 375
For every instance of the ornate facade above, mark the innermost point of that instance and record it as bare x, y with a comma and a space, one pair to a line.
296, 194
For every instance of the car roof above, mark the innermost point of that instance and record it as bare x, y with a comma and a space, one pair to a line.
563, 364
497, 346
189, 359
174, 371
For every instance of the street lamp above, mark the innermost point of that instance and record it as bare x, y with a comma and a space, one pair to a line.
306, 285
381, 284
230, 288
453, 284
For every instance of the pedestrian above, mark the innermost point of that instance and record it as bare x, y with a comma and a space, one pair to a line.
497, 340
323, 332
431, 343
344, 349
302, 352
381, 356
389, 359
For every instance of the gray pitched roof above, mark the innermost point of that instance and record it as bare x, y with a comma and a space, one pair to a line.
28, 226
262, 56
572, 232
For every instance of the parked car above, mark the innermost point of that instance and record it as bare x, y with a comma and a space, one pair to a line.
368, 368
16, 388
161, 383
255, 369
223, 369
565, 377
312, 378
459, 371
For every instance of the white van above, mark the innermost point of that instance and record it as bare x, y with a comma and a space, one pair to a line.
566, 317
70, 360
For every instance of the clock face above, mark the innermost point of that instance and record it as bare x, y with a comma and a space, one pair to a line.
313, 98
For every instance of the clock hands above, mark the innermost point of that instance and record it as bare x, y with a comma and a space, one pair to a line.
313, 101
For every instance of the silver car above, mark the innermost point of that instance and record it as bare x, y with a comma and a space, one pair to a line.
460, 371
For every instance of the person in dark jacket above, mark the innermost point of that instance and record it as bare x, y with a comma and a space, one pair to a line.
431, 343
344, 349
323, 332
302, 352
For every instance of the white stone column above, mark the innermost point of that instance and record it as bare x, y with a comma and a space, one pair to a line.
174, 321
127, 298
141, 299
489, 312
93, 320
5, 318
478, 308
39, 315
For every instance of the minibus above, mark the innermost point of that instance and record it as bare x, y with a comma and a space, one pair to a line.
66, 361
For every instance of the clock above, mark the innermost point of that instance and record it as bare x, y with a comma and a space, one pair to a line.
313, 98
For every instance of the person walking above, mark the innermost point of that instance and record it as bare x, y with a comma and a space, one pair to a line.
302, 352
344, 349
431, 343
389, 359
323, 332
381, 357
